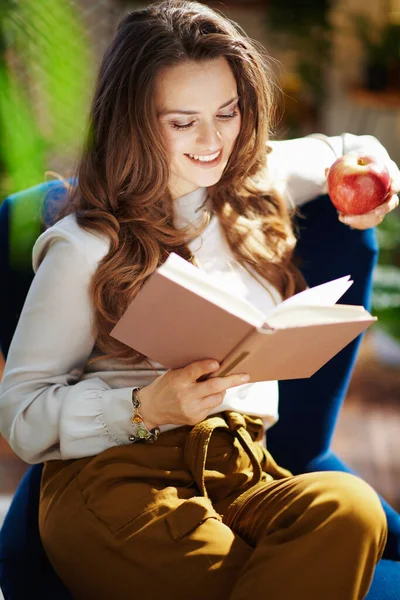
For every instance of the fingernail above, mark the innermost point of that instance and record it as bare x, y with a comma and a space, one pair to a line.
245, 378
214, 365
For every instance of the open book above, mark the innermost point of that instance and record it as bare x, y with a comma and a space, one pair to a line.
180, 316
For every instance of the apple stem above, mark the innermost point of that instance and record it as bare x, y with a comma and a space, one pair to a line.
361, 161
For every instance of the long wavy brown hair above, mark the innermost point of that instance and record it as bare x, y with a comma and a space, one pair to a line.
123, 173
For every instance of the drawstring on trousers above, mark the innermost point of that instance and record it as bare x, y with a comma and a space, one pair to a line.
197, 443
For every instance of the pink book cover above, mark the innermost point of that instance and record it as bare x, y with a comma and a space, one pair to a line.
292, 353
175, 326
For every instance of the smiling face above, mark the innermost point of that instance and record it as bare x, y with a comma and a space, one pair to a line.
198, 112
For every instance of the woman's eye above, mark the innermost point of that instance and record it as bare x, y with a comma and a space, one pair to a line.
178, 126
230, 116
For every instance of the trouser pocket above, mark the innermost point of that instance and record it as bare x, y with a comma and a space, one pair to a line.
189, 515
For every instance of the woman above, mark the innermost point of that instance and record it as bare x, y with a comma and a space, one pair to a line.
175, 160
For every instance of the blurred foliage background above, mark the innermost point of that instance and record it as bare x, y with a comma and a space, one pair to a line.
45, 62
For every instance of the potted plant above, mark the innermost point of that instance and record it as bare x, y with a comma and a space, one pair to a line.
306, 32
381, 45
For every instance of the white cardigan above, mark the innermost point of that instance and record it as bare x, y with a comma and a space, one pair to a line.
53, 405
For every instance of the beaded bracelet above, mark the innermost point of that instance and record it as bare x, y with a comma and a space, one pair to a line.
140, 432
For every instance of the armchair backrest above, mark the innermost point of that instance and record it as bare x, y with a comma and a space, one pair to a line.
28, 212
24, 567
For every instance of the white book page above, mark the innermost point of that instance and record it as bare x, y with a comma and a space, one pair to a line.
190, 277
300, 316
326, 294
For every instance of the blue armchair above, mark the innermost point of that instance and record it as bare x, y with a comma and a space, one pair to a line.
308, 408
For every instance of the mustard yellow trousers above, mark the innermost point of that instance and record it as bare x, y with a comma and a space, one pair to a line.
205, 513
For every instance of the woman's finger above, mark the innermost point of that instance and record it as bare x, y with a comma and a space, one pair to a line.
372, 218
394, 176
215, 385
210, 402
393, 202
385, 208
197, 369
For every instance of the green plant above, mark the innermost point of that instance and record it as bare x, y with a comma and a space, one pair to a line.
380, 42
43, 53
305, 29
386, 283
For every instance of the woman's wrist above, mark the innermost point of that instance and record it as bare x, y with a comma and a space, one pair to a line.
145, 408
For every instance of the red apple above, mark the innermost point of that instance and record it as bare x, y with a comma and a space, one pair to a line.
358, 183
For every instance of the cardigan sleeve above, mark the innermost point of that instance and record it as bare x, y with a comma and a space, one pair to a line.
46, 412
296, 168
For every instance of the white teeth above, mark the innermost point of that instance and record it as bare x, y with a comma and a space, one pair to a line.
205, 158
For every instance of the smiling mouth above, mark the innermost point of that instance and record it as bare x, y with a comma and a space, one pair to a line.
205, 159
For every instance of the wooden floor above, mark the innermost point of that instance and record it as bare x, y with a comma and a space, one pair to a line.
367, 435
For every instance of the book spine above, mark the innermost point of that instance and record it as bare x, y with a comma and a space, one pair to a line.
248, 345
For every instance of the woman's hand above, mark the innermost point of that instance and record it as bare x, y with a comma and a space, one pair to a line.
376, 216
177, 397
373, 218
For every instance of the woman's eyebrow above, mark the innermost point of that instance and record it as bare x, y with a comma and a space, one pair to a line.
194, 112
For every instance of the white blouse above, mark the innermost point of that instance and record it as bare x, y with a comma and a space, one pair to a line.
53, 404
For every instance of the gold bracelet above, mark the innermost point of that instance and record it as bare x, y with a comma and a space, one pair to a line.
140, 432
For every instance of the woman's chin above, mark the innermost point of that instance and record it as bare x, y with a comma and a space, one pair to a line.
207, 179
185, 185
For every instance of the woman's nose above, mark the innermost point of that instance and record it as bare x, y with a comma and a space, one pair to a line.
209, 138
